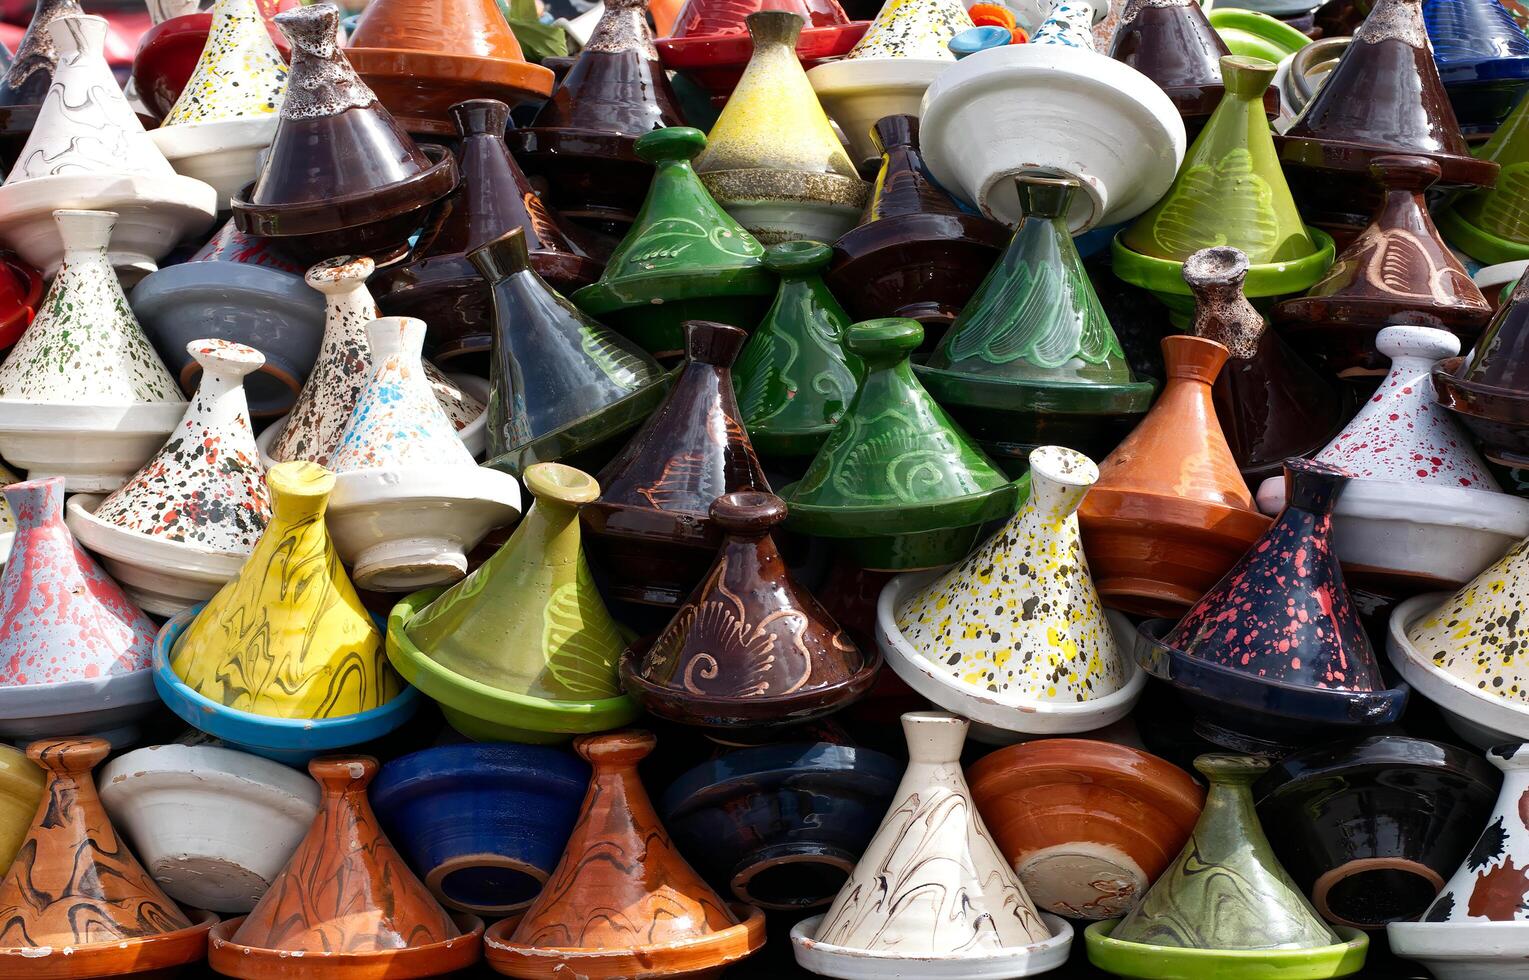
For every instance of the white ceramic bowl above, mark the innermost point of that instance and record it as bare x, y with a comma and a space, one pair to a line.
1499, 275
1442, 536
856, 92
1055, 111
1009, 715
160, 576
106, 706
1464, 950
224, 154
405, 529
214, 826
95, 448
1477, 716
153, 215
859, 964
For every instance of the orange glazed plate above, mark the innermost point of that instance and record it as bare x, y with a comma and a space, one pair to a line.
254, 963
116, 958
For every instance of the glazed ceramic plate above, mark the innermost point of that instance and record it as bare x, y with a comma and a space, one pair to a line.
1464, 950
159, 954
224, 154
95, 448
1146, 962
106, 706
858, 91
432, 959
859, 964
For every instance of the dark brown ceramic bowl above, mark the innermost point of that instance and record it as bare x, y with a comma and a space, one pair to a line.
922, 266
1497, 417
418, 87
592, 177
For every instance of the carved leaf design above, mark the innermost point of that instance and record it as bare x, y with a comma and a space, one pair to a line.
1221, 204
1404, 267
581, 655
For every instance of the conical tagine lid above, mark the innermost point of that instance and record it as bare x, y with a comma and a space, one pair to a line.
1490, 225
913, 29
1475, 634
1172, 43
617, 84
240, 74
289, 637
1226, 890
25, 81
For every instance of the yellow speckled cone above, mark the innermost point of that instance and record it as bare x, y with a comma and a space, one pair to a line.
288, 638
1479, 633
913, 29
240, 74
21, 784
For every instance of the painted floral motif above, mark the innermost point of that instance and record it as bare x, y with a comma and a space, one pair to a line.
913, 29
1492, 883
1481, 633
240, 74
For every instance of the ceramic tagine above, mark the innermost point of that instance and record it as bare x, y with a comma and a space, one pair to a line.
212, 825
1054, 108
581, 139
185, 523
671, 923
1421, 511
372, 188
409, 501
1274, 655
1032, 359
21, 783
438, 284
25, 79
564, 387
88, 150
66, 667
1170, 512
914, 253
1014, 637
1230, 192
1369, 828
1487, 224
235, 288
1474, 930
1398, 271
795, 378
1087, 825
1483, 60
284, 661
750, 649
1226, 905
82, 394
1488, 391
76, 903
522, 649
169, 50
651, 529
685, 258
420, 65
932, 895
226, 114
346, 904
887, 71
898, 485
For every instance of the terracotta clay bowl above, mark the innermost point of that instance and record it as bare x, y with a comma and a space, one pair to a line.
1498, 418
1146, 962
828, 960
781, 826
1372, 829
419, 87
430, 960
1088, 825
154, 956
484, 825
715, 62
694, 959
290, 740
21, 288
167, 56
922, 266
592, 177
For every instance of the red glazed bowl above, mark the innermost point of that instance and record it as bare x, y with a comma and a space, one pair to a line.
20, 292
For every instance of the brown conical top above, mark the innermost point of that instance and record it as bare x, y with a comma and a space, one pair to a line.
1172, 43
617, 85
902, 185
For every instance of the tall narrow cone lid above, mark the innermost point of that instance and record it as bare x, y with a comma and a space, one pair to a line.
240, 74
26, 79
1173, 43
617, 84
913, 29
1485, 614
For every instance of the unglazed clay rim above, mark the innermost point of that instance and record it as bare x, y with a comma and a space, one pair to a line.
1312, 963
656, 960
1166, 276
1438, 944
826, 959
1023, 715
403, 963
33, 961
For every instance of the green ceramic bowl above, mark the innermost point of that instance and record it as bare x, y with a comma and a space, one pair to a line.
489, 714
652, 309
1256, 34
1478, 243
1143, 961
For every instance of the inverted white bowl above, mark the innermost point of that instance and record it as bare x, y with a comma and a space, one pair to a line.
1464, 950
828, 960
224, 154
95, 448
856, 92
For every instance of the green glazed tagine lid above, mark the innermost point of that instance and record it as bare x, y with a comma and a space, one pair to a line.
1492, 225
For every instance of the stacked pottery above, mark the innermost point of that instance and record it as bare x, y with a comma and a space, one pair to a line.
1421, 511
409, 501
620, 857
750, 649
88, 150
522, 649
1488, 224
564, 388
346, 904
76, 903
1032, 359
168, 52
932, 895
83, 394
369, 190
887, 71
1226, 905
1274, 656
1483, 60
25, 79
226, 115
21, 783
1488, 392
212, 825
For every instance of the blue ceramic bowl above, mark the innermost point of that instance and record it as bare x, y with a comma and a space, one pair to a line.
290, 740
781, 826
483, 824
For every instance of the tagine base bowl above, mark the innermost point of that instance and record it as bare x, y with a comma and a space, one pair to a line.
116, 958
1143, 961
95, 448
474, 435
223, 154
715, 62
419, 87
856, 92
1498, 418
786, 205
828, 960
1464, 950
403, 963
1479, 243
110, 706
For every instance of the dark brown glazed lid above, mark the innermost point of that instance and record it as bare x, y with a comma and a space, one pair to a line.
1172, 43
30, 74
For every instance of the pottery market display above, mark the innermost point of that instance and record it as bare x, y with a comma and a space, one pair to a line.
369, 190
88, 151
1014, 637
76, 903
522, 649
619, 856
185, 523
1226, 905
25, 78
1274, 657
345, 903
21, 785
932, 895
211, 825
82, 394
1483, 60
1488, 391
522, 801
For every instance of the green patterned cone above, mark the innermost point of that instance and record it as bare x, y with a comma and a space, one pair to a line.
1493, 225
